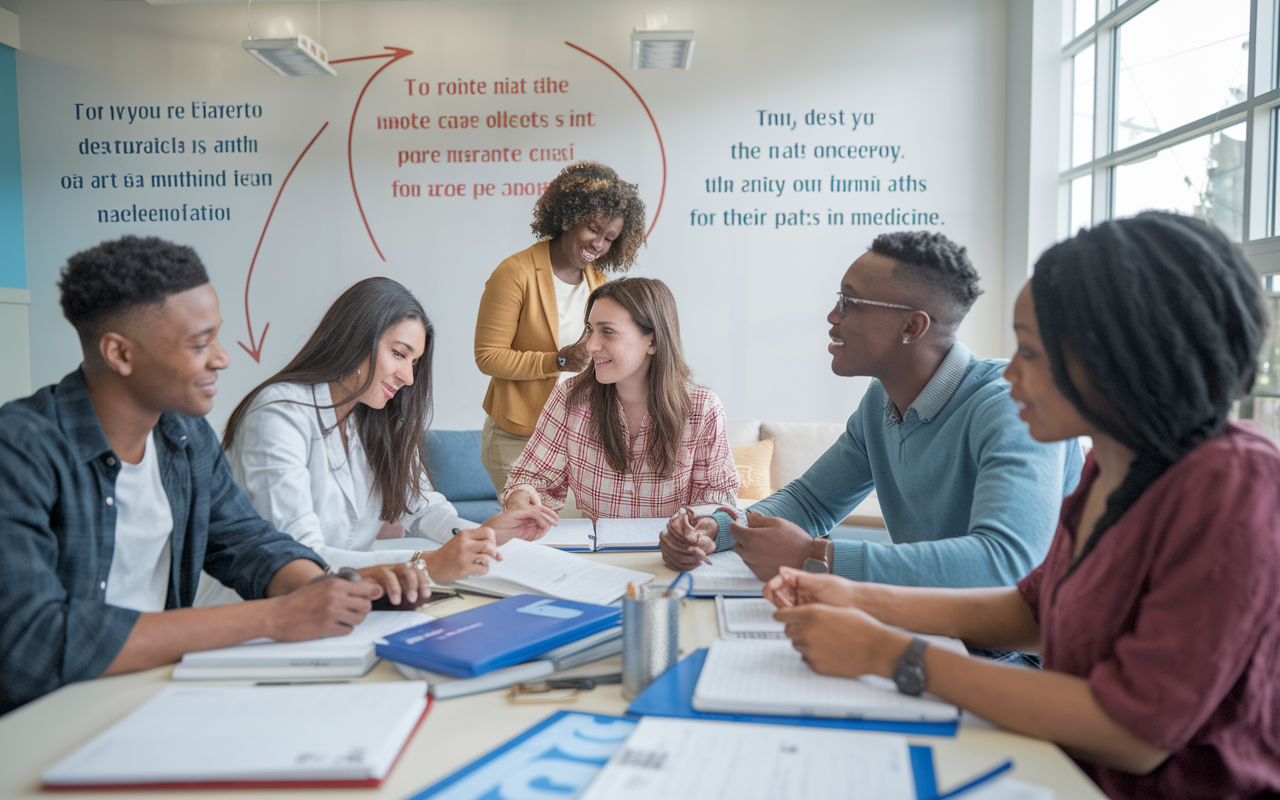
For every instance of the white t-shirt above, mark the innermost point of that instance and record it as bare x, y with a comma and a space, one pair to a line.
140, 565
571, 305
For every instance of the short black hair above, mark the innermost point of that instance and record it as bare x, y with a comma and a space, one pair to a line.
936, 262
124, 273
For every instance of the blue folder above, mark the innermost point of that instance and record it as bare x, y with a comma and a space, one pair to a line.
501, 634
562, 754
671, 695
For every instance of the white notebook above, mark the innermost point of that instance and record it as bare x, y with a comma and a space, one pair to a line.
228, 735
583, 536
347, 656
726, 575
748, 618
528, 568
762, 676
687, 759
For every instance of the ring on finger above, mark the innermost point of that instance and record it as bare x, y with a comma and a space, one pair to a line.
419, 564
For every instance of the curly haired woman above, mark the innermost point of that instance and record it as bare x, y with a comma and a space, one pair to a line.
529, 330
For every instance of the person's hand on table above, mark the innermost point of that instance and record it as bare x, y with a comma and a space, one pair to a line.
529, 522
687, 541
328, 606
575, 356
468, 553
846, 642
794, 587
768, 543
403, 581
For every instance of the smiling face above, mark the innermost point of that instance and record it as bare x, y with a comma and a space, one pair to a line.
587, 241
173, 354
868, 338
398, 351
1049, 415
619, 350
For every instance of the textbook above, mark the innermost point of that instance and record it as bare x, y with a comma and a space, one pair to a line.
501, 634
240, 737
605, 535
529, 567
571, 658
347, 656
727, 575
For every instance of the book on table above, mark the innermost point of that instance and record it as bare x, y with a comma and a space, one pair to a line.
527, 567
605, 535
727, 576
309, 736
501, 634
347, 656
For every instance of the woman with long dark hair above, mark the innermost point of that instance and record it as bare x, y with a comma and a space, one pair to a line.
1157, 609
329, 449
632, 435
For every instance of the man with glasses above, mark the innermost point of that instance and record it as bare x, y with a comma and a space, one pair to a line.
969, 499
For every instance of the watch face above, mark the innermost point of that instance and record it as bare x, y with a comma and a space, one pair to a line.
909, 679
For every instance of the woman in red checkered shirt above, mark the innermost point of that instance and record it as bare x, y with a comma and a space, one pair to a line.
632, 435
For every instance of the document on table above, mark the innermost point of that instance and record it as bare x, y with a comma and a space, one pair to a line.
578, 535
347, 656
678, 759
757, 676
727, 575
240, 734
638, 533
748, 618
529, 568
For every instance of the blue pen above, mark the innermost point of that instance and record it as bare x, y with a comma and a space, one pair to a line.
978, 781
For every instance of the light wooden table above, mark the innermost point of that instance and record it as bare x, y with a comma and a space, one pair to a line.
460, 730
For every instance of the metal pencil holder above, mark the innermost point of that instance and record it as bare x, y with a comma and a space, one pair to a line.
650, 634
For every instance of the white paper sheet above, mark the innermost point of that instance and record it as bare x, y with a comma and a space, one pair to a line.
571, 534
318, 652
530, 568
727, 574
675, 759
629, 533
748, 618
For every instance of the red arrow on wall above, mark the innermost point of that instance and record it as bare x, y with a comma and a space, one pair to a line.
395, 55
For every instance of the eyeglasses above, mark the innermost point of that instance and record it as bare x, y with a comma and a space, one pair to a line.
843, 300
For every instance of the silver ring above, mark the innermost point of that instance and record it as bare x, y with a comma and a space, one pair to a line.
419, 564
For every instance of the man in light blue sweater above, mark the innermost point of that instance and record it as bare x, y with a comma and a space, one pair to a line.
968, 497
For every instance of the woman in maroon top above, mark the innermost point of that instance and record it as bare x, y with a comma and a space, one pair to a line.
1157, 609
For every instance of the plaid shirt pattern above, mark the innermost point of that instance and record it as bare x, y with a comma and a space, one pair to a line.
561, 454
57, 535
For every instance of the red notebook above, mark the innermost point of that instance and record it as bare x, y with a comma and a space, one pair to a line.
250, 737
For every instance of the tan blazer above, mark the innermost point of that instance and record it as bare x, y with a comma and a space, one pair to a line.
516, 337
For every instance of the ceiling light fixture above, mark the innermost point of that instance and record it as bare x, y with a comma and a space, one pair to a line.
661, 49
295, 57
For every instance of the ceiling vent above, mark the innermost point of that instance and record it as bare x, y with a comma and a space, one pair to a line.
291, 57
661, 49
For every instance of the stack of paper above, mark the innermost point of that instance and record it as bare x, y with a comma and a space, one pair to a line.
526, 567
241, 736
748, 618
347, 656
726, 575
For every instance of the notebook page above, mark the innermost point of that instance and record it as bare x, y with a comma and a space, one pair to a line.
726, 574
769, 677
247, 733
678, 759
748, 618
268, 652
637, 532
571, 533
547, 571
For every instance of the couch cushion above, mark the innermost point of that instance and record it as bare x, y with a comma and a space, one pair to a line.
754, 468
743, 431
453, 461
797, 445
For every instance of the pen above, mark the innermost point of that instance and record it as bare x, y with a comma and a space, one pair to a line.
978, 781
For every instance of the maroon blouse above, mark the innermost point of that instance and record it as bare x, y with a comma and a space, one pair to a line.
1174, 619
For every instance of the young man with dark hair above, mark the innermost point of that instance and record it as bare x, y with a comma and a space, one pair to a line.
116, 494
969, 499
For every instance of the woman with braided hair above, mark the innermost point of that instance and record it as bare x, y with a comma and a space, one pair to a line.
1157, 609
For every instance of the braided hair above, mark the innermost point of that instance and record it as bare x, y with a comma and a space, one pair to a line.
1165, 318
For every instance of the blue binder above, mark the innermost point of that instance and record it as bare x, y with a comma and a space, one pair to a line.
671, 695
501, 634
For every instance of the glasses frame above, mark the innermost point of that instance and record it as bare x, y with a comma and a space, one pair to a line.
843, 300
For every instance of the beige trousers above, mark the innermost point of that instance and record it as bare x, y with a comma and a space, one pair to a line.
499, 450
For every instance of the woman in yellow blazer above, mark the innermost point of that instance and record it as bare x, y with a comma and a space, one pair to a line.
588, 222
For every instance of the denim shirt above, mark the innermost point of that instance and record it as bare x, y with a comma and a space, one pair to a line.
57, 535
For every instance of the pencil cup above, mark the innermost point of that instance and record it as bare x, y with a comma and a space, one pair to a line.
650, 635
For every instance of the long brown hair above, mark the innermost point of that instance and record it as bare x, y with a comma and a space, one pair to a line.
653, 310
349, 334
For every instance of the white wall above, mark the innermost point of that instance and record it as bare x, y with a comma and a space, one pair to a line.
753, 300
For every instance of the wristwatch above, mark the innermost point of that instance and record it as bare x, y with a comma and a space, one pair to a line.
909, 675
819, 559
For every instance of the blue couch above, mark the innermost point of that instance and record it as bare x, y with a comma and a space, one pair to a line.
453, 462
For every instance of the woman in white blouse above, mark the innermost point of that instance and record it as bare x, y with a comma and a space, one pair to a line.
329, 450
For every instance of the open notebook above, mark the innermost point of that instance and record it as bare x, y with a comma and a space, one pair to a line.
727, 575
527, 567
583, 536
763, 676
250, 736
748, 618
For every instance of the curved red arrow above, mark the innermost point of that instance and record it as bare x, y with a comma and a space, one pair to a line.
395, 55
255, 350
661, 149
